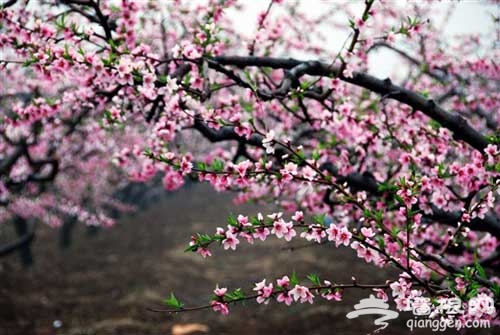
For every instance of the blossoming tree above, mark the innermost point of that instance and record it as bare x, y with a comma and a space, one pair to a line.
406, 171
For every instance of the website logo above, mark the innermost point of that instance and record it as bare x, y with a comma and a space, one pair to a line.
375, 306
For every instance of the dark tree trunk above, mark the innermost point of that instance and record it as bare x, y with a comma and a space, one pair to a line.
66, 233
92, 231
21, 227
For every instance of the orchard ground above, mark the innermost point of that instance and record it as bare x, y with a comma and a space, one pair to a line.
104, 284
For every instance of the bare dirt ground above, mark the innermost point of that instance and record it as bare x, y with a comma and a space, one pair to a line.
104, 284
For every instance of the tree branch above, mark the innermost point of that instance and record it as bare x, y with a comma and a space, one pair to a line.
455, 123
19, 243
356, 181
366, 182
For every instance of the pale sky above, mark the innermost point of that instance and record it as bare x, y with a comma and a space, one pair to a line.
467, 17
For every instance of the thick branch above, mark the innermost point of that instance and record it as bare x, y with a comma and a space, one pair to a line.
356, 181
19, 243
450, 267
438, 75
490, 223
8, 162
456, 123
99, 17
224, 134
366, 182
7, 4
227, 133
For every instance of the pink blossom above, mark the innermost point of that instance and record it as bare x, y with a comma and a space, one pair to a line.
288, 171
290, 233
172, 181
298, 216
186, 166
333, 295
249, 237
359, 23
460, 284
381, 294
220, 292
367, 232
302, 293
332, 232
481, 305
264, 291
221, 307
230, 241
242, 167
261, 233
204, 252
243, 130
403, 303
267, 142
308, 173
314, 233
283, 282
348, 71
279, 228
285, 298
343, 237
191, 51
366, 253
400, 287
243, 220
391, 37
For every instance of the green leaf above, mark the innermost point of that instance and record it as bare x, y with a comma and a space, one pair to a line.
395, 231
493, 139
250, 80
314, 279
497, 167
496, 289
231, 220
235, 295
293, 279
108, 115
201, 166
316, 155
367, 213
443, 172
319, 219
305, 85
162, 79
254, 221
173, 302
247, 106
66, 54
204, 238
191, 248
217, 165
455, 291
380, 242
61, 22
434, 124
29, 62
472, 294
480, 271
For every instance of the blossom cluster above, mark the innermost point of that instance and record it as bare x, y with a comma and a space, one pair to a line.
107, 94
260, 227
